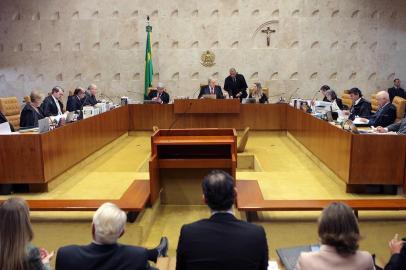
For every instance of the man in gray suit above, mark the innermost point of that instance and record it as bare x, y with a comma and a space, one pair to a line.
399, 127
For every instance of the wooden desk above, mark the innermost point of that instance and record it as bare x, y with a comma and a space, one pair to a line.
38, 158
180, 158
256, 116
206, 106
356, 159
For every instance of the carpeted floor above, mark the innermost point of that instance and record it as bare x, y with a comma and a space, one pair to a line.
284, 172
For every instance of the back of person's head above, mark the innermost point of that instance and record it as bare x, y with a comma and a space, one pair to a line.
109, 223
355, 91
218, 190
338, 227
15, 234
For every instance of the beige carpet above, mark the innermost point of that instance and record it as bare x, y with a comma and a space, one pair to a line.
285, 173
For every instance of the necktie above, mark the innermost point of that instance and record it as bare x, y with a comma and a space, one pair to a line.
211, 91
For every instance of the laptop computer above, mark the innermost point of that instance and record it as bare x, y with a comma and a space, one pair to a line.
289, 256
248, 100
43, 125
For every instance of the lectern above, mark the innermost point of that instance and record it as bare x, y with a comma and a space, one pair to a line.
180, 158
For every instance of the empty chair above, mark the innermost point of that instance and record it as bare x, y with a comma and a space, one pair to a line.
10, 107
400, 104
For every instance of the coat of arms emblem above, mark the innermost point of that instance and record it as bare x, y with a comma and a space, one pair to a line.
208, 58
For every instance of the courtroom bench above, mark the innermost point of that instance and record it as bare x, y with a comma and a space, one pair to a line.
250, 200
133, 201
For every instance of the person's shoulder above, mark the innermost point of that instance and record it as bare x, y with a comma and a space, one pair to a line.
132, 249
69, 249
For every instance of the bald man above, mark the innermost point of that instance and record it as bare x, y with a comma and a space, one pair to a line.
90, 99
386, 113
235, 85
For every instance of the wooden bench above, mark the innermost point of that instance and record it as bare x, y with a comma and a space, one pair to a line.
250, 200
133, 201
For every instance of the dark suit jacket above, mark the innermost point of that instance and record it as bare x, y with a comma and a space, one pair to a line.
396, 92
399, 127
49, 107
217, 91
102, 257
3, 119
362, 109
222, 242
29, 116
90, 100
164, 96
384, 117
240, 85
397, 261
339, 103
263, 99
74, 104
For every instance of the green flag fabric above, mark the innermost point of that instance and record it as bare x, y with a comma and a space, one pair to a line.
149, 71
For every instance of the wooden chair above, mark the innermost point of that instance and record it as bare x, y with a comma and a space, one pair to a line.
243, 141
27, 99
400, 104
345, 97
10, 107
265, 90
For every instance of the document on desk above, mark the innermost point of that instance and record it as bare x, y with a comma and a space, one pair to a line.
5, 128
272, 265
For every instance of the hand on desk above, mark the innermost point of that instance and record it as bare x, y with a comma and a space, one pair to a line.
381, 129
364, 120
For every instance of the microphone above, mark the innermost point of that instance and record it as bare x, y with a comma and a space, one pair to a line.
294, 92
102, 95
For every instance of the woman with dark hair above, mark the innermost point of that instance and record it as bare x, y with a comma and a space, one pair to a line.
332, 97
339, 236
16, 250
323, 90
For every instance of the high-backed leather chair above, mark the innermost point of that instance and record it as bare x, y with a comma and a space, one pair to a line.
400, 104
346, 99
374, 103
10, 107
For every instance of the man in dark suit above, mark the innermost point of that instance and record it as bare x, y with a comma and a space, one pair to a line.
399, 127
212, 89
75, 102
398, 250
360, 106
160, 95
104, 253
385, 115
221, 242
235, 85
91, 99
396, 90
52, 105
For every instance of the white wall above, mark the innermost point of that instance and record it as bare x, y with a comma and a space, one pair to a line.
343, 43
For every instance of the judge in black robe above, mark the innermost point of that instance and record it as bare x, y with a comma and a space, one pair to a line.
235, 85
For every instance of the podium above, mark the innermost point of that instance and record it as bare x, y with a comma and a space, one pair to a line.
180, 158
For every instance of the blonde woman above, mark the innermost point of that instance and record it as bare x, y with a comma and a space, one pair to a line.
257, 94
16, 250
32, 112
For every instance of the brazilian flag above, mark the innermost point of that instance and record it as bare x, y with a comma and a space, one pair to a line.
149, 71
